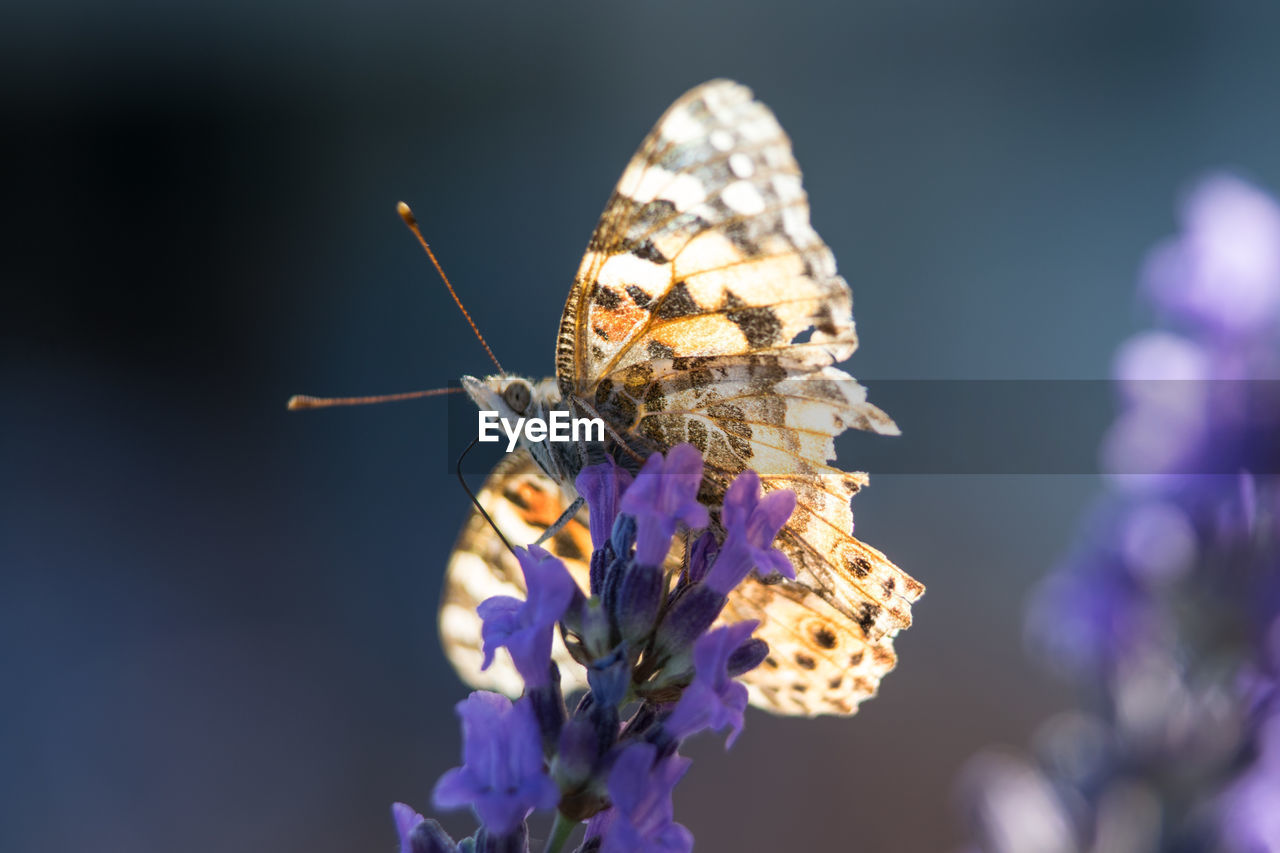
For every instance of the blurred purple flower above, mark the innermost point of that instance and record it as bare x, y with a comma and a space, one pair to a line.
1164, 613
526, 627
641, 820
1250, 809
664, 493
1222, 273
502, 776
713, 700
751, 524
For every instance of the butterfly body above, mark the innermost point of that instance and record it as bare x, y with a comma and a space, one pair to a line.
706, 310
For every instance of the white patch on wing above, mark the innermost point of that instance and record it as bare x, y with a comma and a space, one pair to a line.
644, 184
622, 270
742, 197
740, 164
681, 126
721, 139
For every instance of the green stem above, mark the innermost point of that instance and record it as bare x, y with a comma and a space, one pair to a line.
560, 832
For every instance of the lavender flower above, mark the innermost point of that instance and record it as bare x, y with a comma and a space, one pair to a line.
525, 627
602, 487
752, 523
713, 700
641, 820
502, 776
646, 640
665, 492
419, 835
1167, 614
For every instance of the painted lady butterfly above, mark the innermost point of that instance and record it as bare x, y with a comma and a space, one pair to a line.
706, 310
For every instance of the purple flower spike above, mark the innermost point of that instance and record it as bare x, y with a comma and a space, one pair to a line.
714, 700
602, 486
501, 776
418, 835
525, 627
752, 523
665, 492
641, 818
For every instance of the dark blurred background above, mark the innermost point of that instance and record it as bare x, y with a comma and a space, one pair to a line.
218, 619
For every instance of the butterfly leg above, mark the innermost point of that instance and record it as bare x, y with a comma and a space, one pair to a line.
562, 520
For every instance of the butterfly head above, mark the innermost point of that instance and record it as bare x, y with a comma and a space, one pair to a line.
512, 397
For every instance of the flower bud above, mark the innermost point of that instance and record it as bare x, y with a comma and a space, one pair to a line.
636, 604
609, 678
701, 556
747, 657
418, 835
692, 612
548, 709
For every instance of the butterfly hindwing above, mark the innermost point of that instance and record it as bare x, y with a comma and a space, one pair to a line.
817, 662
523, 502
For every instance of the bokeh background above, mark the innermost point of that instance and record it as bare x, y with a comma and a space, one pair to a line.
218, 619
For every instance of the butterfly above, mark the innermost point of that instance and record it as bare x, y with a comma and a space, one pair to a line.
706, 310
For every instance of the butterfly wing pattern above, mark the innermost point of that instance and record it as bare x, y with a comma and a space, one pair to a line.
523, 501
708, 310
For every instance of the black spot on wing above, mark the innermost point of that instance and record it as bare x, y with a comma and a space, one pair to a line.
867, 616
824, 321
697, 434
678, 302
824, 637
657, 349
740, 235
654, 399
605, 297
759, 325
648, 252
638, 296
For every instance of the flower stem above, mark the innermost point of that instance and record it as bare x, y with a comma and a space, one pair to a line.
560, 831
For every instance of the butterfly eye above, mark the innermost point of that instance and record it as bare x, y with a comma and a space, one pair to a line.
517, 396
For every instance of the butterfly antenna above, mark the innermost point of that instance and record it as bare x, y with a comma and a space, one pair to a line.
476, 501
407, 215
302, 401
